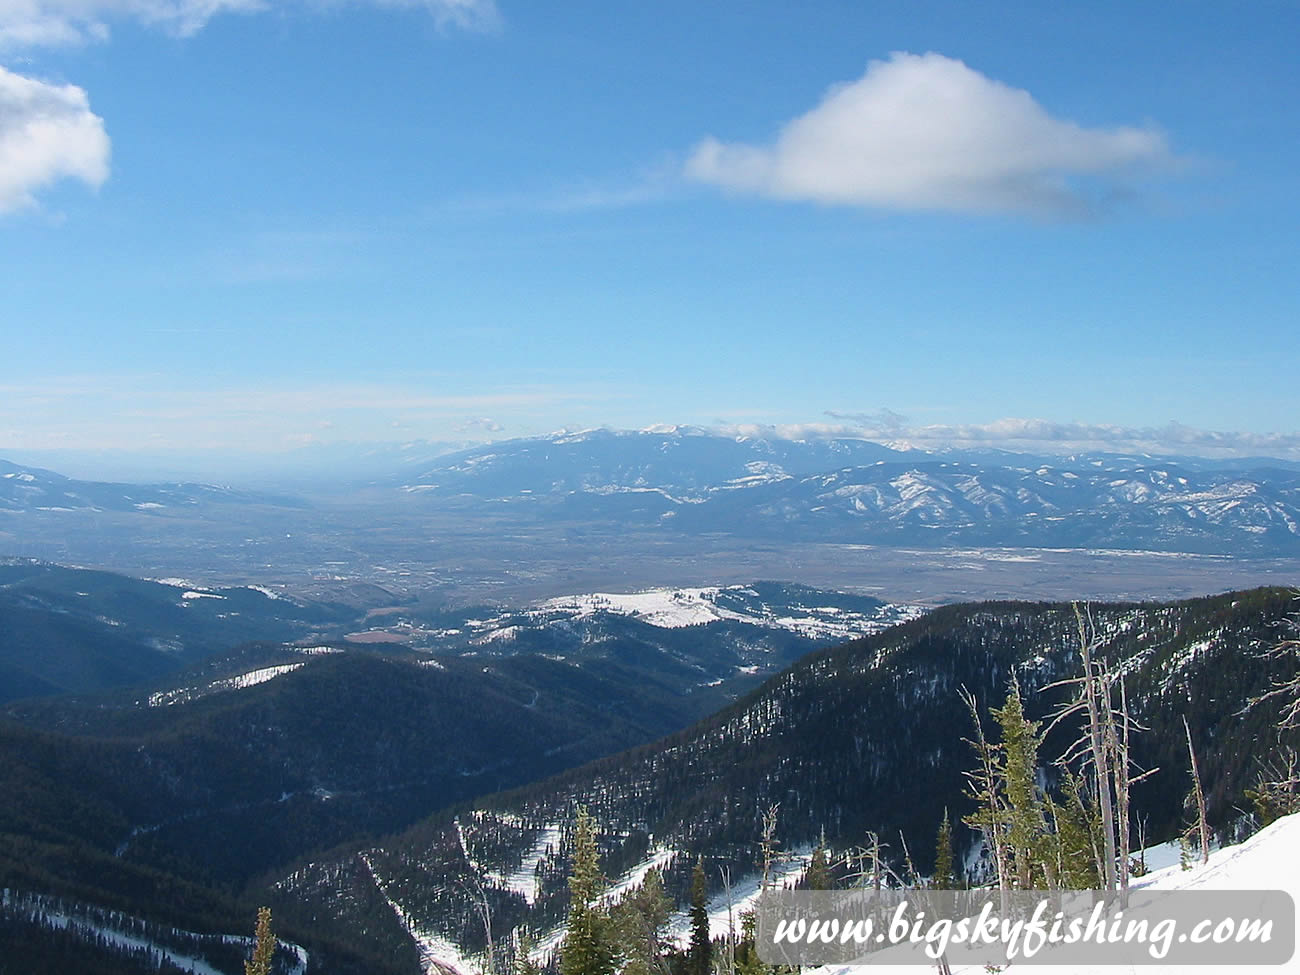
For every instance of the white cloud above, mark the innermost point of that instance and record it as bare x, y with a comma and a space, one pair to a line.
926, 132
1017, 433
47, 23
47, 133
476, 15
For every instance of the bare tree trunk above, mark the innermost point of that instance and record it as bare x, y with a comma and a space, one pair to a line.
1122, 781
873, 850
985, 781
1201, 822
1100, 753
1142, 844
769, 843
914, 878
729, 959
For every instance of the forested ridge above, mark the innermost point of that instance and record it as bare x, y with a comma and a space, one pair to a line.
191, 815
866, 737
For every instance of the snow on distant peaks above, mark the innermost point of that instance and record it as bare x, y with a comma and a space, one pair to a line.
662, 428
572, 436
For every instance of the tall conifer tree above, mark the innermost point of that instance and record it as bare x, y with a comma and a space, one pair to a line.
701, 951
586, 949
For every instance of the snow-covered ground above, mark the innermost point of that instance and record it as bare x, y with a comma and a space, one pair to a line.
659, 607
524, 880
117, 931
437, 953
240, 681
724, 912
673, 608
1269, 860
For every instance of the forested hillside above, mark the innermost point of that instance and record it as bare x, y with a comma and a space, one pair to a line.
868, 736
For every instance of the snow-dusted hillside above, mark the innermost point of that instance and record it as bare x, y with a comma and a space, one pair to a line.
707, 635
853, 490
864, 737
118, 932
26, 489
819, 616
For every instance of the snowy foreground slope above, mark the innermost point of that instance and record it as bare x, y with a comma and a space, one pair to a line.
1269, 860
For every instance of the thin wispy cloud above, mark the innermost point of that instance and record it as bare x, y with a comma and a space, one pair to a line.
652, 184
1016, 433
47, 133
131, 412
53, 23
927, 132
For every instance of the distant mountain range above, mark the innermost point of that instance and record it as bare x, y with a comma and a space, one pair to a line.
25, 489
523, 519
857, 491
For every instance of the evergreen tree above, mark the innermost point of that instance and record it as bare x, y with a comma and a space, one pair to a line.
819, 871
943, 879
1028, 839
263, 945
747, 960
524, 964
701, 950
1078, 837
639, 924
1277, 788
586, 950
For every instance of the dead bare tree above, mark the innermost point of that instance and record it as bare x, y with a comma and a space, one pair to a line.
867, 866
1288, 689
1093, 686
1277, 790
483, 908
1142, 847
1104, 747
913, 878
986, 790
729, 956
768, 843
1202, 823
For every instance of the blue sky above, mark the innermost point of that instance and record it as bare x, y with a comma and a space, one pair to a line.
232, 224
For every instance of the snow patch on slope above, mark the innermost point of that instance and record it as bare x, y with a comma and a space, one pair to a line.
524, 880
437, 954
181, 694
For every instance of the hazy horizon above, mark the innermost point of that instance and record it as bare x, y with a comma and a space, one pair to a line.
325, 458
253, 226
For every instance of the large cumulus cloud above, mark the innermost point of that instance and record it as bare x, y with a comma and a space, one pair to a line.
926, 132
47, 133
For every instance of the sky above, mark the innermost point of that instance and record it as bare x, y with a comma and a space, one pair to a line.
252, 225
